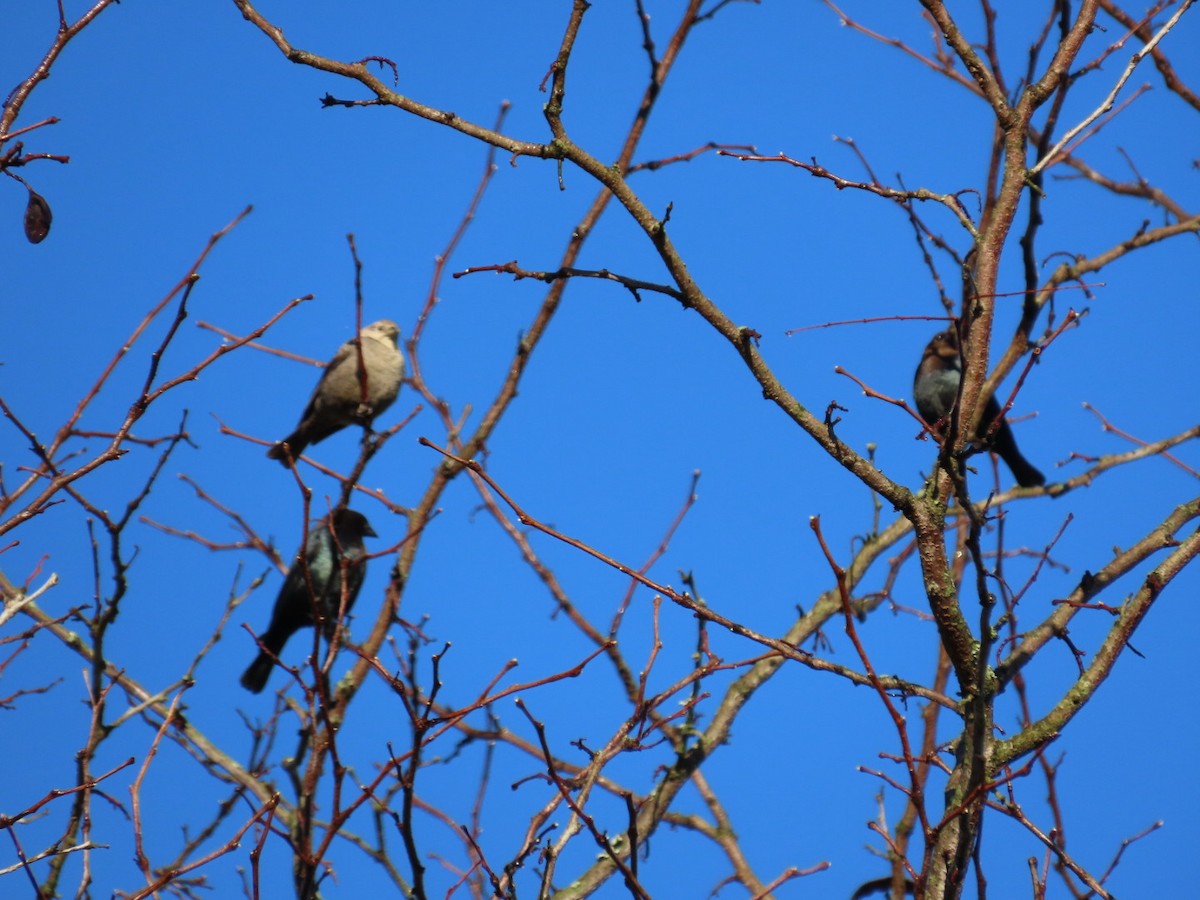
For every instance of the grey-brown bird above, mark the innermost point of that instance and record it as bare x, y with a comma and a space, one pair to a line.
935, 388
338, 400
333, 562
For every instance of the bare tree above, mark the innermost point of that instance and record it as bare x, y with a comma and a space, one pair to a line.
582, 815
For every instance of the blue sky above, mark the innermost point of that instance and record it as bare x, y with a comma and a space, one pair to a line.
177, 116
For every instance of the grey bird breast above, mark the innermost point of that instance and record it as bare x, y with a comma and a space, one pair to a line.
340, 392
350, 391
936, 392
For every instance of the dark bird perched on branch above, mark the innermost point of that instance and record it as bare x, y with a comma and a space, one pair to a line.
935, 388
338, 400
334, 554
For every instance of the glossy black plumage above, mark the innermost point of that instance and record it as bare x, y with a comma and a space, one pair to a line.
324, 553
935, 389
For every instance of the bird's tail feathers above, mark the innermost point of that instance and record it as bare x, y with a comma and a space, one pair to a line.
254, 679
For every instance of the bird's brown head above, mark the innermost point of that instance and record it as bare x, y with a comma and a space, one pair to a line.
351, 523
944, 345
383, 329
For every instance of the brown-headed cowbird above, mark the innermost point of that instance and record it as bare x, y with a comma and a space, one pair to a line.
338, 398
333, 554
935, 388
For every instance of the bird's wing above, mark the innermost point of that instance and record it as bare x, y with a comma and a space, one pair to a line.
344, 352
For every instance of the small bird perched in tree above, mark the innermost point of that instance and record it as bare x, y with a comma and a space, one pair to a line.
935, 388
334, 555
338, 400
